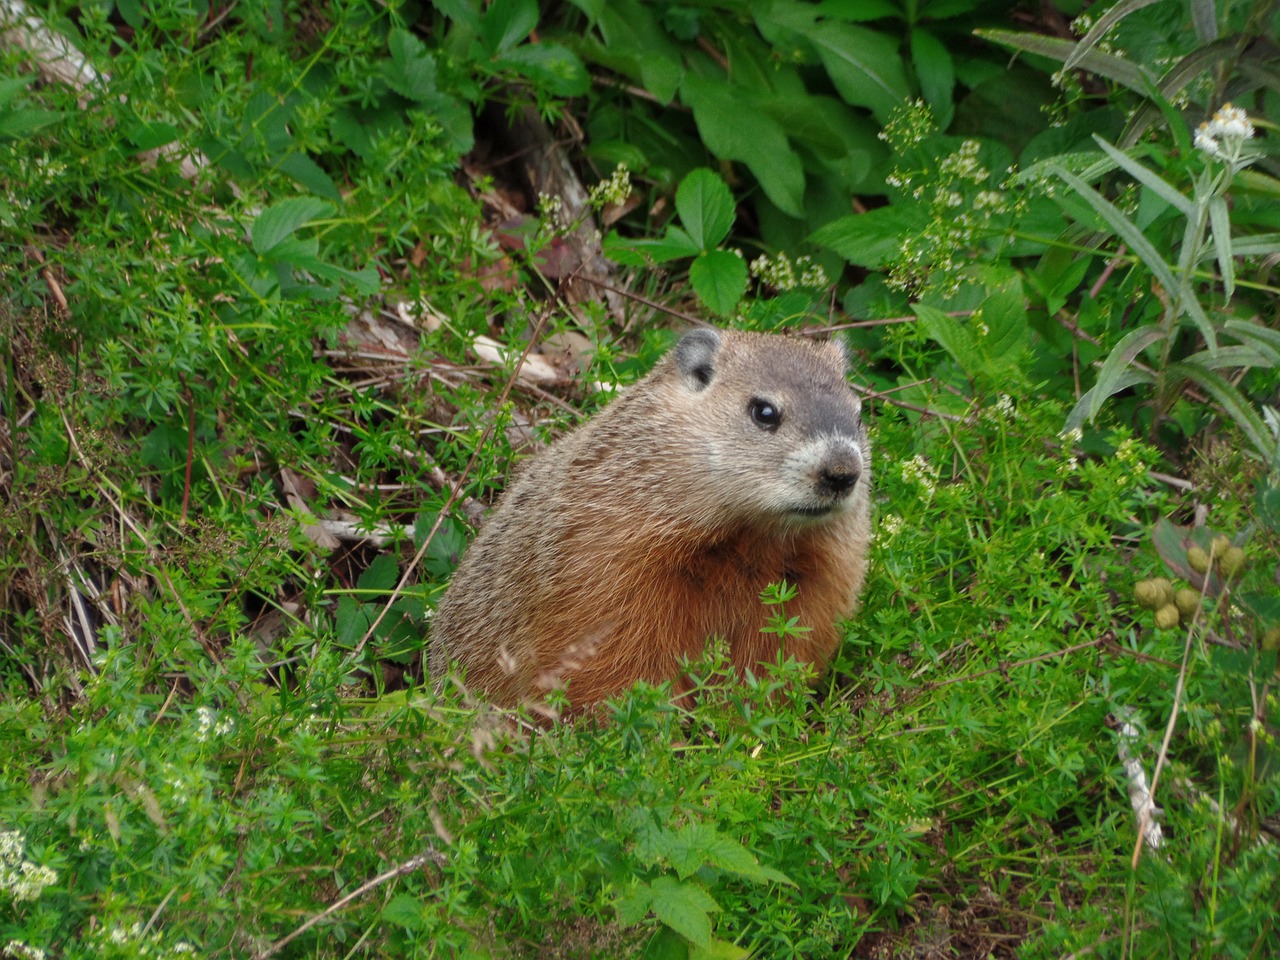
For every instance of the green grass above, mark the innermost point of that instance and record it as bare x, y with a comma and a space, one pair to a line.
198, 742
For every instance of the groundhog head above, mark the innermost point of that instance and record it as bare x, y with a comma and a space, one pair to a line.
778, 423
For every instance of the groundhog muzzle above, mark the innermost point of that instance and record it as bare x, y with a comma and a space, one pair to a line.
739, 461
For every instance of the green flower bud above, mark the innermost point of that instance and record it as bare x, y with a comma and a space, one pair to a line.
1197, 559
1232, 561
1167, 617
1187, 601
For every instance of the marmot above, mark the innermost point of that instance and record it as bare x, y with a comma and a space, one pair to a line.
739, 461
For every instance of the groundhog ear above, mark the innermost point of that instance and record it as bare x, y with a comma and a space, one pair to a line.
695, 356
841, 350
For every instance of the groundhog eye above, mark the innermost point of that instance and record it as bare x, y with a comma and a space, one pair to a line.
764, 414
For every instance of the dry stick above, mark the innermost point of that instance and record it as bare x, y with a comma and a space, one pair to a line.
1173, 719
456, 489
651, 304
410, 865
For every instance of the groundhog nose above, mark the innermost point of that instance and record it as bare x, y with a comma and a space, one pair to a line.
837, 481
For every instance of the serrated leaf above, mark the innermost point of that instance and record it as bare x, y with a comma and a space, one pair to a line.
633, 905
280, 220
952, 334
872, 239
551, 66
381, 574
719, 278
685, 907
1119, 361
411, 71
310, 175
706, 208
403, 911
717, 950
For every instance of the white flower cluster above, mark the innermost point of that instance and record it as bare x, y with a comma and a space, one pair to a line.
908, 125
614, 191
918, 471
209, 724
141, 942
1224, 135
23, 951
782, 273
1002, 411
19, 878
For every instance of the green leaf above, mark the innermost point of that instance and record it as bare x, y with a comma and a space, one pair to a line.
1106, 65
719, 279
1220, 227
1148, 178
872, 239
1264, 338
718, 950
506, 23
1258, 245
19, 123
633, 905
380, 575
411, 71
864, 65
151, 136
1080, 412
1233, 402
1099, 30
952, 334
309, 175
936, 73
1119, 361
403, 911
640, 253
706, 208
280, 220
685, 907
550, 66
734, 129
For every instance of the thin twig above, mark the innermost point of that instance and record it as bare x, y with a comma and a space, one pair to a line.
410, 865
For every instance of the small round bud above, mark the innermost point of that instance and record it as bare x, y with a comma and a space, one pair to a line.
1167, 617
1197, 559
1147, 595
1220, 545
1187, 601
1232, 561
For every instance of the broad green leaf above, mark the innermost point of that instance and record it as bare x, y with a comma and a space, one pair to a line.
1236, 406
151, 136
685, 907
280, 220
934, 69
22, 121
706, 208
864, 65
1119, 360
719, 278
551, 66
10, 89
411, 71
952, 334
506, 23
403, 911
1004, 314
1220, 227
639, 253
733, 129
381, 574
1148, 178
633, 905
1110, 18
718, 950
309, 175
872, 239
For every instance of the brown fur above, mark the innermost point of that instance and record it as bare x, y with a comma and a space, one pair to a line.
629, 542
